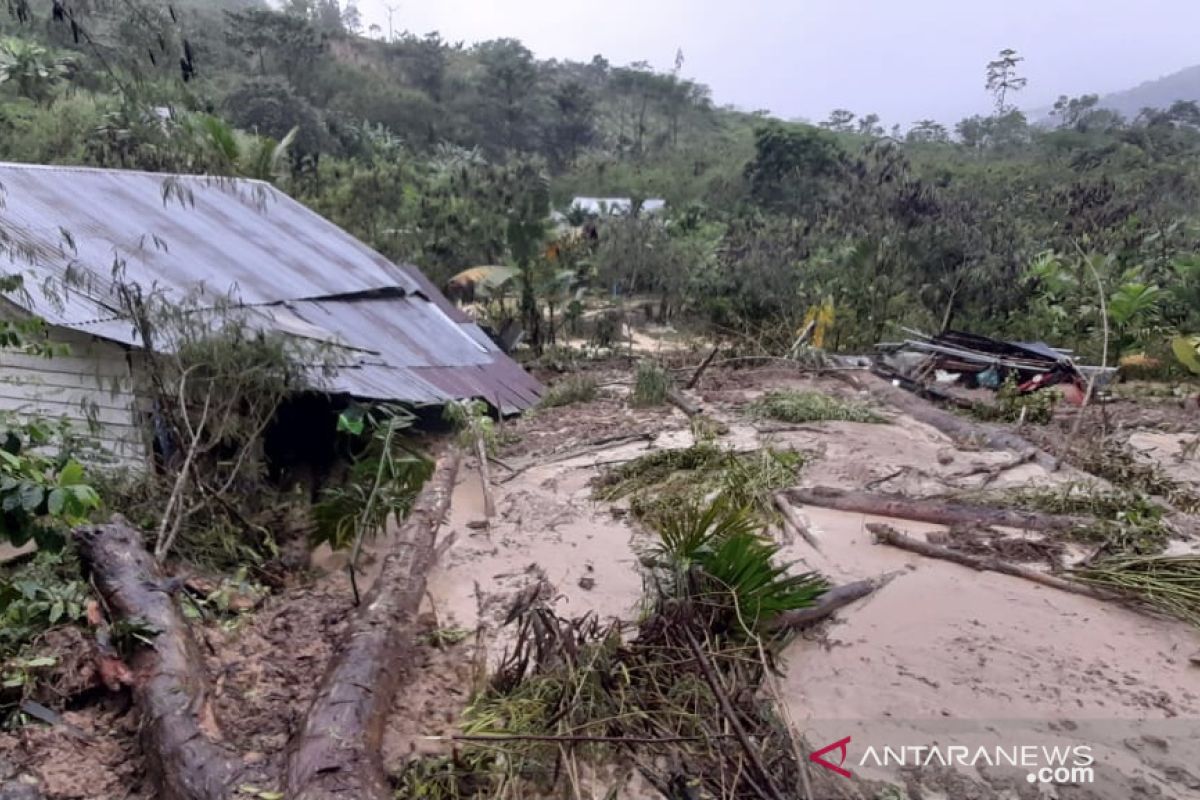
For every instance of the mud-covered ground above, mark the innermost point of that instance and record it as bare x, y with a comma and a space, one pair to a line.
940, 655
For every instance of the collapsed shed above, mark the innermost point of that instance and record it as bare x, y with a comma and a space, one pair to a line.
78, 236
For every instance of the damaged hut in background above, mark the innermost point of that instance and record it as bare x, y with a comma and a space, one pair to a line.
970, 361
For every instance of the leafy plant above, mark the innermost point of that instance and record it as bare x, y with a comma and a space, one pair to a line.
37, 596
473, 422
40, 495
720, 558
383, 481
1187, 351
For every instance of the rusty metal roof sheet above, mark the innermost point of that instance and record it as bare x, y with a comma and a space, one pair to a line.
74, 231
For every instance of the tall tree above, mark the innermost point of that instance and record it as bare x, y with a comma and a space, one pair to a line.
507, 89
840, 120
573, 127
1003, 80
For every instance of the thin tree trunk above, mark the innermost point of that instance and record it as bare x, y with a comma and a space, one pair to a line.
885, 534
336, 754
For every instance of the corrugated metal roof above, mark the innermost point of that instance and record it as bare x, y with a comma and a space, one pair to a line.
70, 229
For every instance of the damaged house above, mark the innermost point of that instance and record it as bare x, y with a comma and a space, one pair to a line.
79, 236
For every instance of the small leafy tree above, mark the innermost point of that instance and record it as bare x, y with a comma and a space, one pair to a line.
34, 70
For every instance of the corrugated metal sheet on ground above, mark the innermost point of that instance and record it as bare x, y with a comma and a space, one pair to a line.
290, 269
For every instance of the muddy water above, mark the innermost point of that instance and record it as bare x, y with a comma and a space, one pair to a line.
947, 655
546, 526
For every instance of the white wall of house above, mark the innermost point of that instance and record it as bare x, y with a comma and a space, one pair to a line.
92, 387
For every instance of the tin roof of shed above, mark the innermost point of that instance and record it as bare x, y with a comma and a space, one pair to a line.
82, 231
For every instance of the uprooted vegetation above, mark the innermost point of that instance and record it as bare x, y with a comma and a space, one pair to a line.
1120, 521
676, 697
787, 405
658, 484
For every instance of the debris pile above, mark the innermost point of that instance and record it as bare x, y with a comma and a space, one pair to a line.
974, 361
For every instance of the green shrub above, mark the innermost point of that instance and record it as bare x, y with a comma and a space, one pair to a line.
787, 405
572, 389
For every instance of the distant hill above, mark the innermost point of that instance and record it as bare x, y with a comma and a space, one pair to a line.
1159, 93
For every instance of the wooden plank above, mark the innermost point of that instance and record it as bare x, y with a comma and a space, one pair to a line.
57, 395
72, 411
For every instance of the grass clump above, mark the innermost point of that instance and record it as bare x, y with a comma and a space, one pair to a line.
650, 386
1170, 584
787, 405
658, 483
570, 390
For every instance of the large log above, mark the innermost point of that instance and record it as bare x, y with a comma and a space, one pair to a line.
179, 732
935, 511
885, 534
993, 437
336, 754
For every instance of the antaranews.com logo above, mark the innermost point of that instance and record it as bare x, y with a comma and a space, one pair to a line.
1068, 764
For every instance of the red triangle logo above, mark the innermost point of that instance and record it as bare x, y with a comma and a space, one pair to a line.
818, 757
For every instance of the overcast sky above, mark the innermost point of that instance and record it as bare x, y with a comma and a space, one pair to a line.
902, 59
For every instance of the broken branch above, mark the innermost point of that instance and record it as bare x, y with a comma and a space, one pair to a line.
834, 599
695, 379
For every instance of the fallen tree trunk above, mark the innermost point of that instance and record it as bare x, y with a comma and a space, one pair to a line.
993, 437
885, 534
179, 733
677, 399
336, 754
935, 511
831, 601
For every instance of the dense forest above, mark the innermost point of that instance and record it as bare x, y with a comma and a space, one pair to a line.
451, 155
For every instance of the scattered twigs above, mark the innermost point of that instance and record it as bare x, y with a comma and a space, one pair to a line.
834, 599
603, 443
529, 737
171, 516
936, 511
695, 379
991, 473
885, 534
880, 481
792, 522
731, 715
